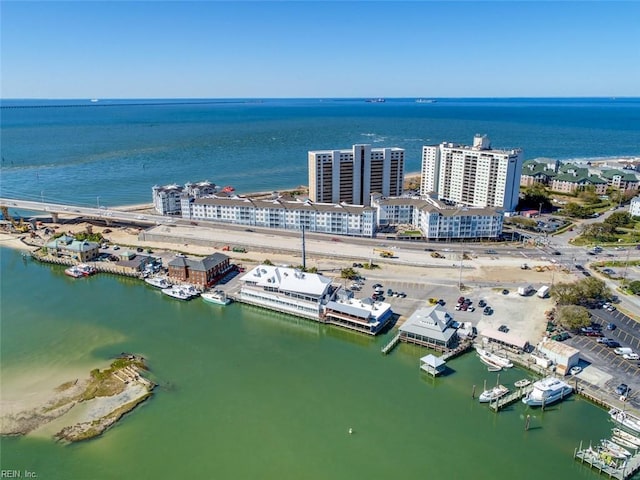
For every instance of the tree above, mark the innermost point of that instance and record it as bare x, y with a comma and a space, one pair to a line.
619, 219
635, 287
572, 209
589, 195
599, 231
583, 292
565, 293
348, 273
572, 317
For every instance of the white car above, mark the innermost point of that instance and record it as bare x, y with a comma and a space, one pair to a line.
631, 356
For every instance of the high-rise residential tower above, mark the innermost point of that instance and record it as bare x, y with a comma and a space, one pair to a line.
351, 176
475, 175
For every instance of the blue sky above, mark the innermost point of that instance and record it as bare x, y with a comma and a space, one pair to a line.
210, 49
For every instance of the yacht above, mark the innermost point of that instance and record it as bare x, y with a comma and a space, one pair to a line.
547, 391
626, 436
493, 394
178, 292
158, 282
217, 297
493, 360
86, 270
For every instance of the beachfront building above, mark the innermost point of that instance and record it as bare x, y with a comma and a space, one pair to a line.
625, 181
287, 290
200, 189
476, 176
203, 272
572, 179
67, 246
436, 220
431, 327
634, 207
351, 176
335, 219
538, 172
166, 199
363, 315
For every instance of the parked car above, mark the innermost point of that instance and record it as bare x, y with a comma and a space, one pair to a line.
622, 389
461, 300
471, 308
482, 304
389, 292
604, 340
441, 302
611, 326
503, 328
377, 285
631, 356
612, 344
505, 292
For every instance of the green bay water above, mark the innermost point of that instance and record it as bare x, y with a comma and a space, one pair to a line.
244, 393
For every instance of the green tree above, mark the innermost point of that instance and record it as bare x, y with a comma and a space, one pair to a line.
349, 273
565, 293
599, 231
535, 196
635, 287
584, 291
572, 209
572, 317
589, 195
619, 219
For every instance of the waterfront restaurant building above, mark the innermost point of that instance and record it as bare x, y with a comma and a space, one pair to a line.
203, 272
363, 315
352, 175
430, 327
66, 246
287, 290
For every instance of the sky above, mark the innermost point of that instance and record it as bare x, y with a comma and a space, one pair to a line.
330, 49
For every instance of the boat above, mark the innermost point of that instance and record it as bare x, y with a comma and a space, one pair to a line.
425, 100
615, 449
375, 100
625, 419
493, 394
86, 270
525, 382
178, 292
228, 189
158, 282
624, 443
493, 360
626, 436
74, 272
217, 297
547, 391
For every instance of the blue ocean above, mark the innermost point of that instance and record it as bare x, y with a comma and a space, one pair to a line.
114, 151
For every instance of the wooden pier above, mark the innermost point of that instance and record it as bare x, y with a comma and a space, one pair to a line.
390, 346
621, 470
510, 398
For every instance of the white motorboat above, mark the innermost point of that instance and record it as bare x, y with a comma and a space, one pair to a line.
217, 297
615, 449
625, 419
493, 360
547, 391
626, 436
493, 394
624, 443
177, 292
158, 282
86, 270
74, 272
522, 383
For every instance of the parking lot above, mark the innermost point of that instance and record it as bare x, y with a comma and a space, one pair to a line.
601, 365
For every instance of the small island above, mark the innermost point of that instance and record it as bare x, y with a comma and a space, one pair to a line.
98, 402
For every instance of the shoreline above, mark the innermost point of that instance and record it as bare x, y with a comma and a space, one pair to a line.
79, 409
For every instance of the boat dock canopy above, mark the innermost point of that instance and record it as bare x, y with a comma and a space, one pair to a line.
507, 339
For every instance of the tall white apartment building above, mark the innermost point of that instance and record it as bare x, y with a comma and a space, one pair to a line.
351, 176
475, 176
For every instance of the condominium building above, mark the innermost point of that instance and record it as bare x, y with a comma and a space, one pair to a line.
436, 221
166, 199
476, 175
351, 176
336, 219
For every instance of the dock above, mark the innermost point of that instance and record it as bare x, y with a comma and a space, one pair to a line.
621, 470
391, 345
510, 398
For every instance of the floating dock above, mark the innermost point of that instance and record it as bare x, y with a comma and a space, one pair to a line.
510, 398
622, 470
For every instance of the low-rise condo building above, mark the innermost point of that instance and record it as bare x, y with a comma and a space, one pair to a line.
634, 207
166, 199
336, 219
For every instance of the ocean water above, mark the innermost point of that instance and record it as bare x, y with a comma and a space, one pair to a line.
244, 393
113, 152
